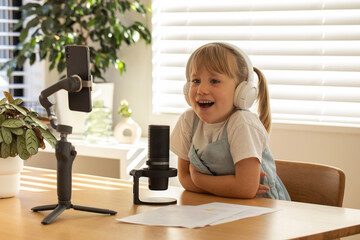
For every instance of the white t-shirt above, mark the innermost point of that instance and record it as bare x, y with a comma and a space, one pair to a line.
247, 136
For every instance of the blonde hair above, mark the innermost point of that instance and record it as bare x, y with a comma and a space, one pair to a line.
215, 57
263, 100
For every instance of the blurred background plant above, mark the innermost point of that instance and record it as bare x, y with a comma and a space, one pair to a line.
48, 27
127, 130
124, 109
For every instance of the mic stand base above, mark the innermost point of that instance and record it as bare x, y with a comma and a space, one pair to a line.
65, 155
172, 172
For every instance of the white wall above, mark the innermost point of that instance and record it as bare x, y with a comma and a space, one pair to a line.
339, 147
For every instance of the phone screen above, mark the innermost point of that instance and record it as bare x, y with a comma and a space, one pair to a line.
77, 62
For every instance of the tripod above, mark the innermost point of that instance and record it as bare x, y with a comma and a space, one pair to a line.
65, 155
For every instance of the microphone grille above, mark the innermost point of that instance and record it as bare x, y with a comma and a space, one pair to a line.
158, 138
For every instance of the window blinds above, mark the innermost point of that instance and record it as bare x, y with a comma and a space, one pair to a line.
309, 51
25, 83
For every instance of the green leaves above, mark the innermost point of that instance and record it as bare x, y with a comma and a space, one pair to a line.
6, 134
32, 143
33, 116
48, 137
21, 131
13, 123
5, 150
124, 109
95, 23
21, 148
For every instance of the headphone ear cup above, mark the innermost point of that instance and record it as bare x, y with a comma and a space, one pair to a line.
245, 95
237, 95
186, 89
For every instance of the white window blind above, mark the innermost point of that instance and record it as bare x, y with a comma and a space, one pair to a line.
25, 83
309, 51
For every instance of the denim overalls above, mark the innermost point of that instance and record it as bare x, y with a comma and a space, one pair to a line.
216, 159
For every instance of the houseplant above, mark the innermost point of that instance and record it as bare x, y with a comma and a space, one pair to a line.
22, 133
127, 130
102, 25
47, 28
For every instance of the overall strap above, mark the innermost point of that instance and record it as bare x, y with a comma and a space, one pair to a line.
224, 133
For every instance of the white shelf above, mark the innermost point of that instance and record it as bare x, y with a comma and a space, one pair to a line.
130, 156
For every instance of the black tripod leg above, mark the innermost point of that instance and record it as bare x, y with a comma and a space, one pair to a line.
57, 211
44, 208
94, 210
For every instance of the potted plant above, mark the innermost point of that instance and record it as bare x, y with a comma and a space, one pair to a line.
22, 133
127, 130
47, 28
99, 24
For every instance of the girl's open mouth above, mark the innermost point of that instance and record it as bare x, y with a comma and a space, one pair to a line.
205, 104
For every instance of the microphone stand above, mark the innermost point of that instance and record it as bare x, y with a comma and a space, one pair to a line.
65, 153
146, 172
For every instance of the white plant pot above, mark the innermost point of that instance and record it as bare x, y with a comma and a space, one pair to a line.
127, 131
10, 176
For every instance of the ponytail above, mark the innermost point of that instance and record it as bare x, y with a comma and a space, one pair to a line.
263, 100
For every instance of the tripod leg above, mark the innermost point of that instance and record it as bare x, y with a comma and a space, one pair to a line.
94, 210
57, 211
44, 208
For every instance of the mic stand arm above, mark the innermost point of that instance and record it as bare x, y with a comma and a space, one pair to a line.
65, 153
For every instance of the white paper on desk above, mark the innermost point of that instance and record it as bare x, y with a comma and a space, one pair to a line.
195, 216
243, 211
179, 216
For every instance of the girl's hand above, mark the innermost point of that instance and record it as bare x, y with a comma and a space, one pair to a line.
262, 188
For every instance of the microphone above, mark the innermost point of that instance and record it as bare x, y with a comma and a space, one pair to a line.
158, 170
158, 155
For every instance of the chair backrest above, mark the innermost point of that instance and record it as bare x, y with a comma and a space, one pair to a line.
312, 183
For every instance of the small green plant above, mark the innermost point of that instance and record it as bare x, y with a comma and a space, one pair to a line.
21, 131
124, 109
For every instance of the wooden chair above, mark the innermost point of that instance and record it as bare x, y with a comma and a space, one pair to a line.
312, 183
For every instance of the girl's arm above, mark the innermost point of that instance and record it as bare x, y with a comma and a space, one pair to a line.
244, 184
185, 178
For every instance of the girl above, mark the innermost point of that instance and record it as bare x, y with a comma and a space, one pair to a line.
221, 146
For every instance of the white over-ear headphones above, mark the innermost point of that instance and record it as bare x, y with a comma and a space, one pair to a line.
245, 92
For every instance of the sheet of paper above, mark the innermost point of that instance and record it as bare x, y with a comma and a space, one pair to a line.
195, 216
179, 216
243, 211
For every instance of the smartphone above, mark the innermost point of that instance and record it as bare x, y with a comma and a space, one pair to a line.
77, 62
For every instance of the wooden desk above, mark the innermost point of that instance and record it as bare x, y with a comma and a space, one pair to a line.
292, 221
